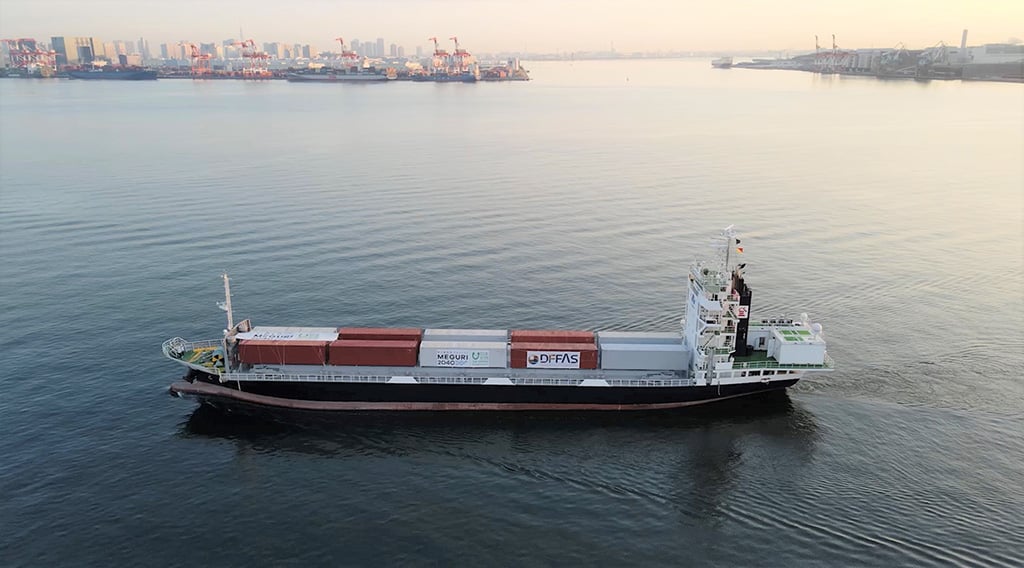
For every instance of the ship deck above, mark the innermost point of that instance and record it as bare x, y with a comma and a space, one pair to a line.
761, 360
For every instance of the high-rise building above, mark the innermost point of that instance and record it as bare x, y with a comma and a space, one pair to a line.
357, 47
77, 50
401, 51
380, 47
393, 51
143, 47
164, 52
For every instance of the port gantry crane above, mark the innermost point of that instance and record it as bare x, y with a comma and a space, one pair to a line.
440, 56
258, 62
349, 58
200, 61
832, 61
24, 54
460, 57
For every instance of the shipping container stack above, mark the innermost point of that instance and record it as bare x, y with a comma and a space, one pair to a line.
642, 351
282, 352
553, 349
375, 347
464, 348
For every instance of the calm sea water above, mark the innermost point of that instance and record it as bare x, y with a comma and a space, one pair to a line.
892, 212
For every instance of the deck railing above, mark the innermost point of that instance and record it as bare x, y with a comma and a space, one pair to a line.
827, 364
176, 346
537, 381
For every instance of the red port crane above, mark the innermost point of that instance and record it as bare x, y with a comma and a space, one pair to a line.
460, 55
441, 56
346, 53
25, 54
258, 62
438, 52
200, 61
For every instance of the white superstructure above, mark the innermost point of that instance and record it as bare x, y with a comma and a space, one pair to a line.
726, 347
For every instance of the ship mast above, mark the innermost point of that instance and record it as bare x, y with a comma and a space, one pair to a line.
730, 241
226, 304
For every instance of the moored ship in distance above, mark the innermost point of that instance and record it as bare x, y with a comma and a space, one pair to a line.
445, 77
718, 352
369, 75
114, 74
353, 69
458, 66
722, 63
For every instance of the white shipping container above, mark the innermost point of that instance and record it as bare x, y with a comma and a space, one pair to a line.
809, 353
466, 335
645, 337
290, 333
644, 356
464, 354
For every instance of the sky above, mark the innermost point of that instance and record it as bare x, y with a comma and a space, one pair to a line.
539, 26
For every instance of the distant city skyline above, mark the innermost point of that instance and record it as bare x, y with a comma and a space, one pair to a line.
526, 25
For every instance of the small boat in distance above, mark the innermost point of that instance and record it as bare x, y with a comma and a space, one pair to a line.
722, 63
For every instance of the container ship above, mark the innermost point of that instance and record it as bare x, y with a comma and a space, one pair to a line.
341, 76
718, 352
115, 74
722, 63
443, 77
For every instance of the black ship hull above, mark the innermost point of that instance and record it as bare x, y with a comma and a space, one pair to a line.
140, 75
339, 396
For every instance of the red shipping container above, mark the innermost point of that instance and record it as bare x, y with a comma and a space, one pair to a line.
277, 352
587, 355
372, 352
380, 333
551, 336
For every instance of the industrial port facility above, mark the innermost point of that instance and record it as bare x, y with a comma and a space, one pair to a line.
990, 62
87, 58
